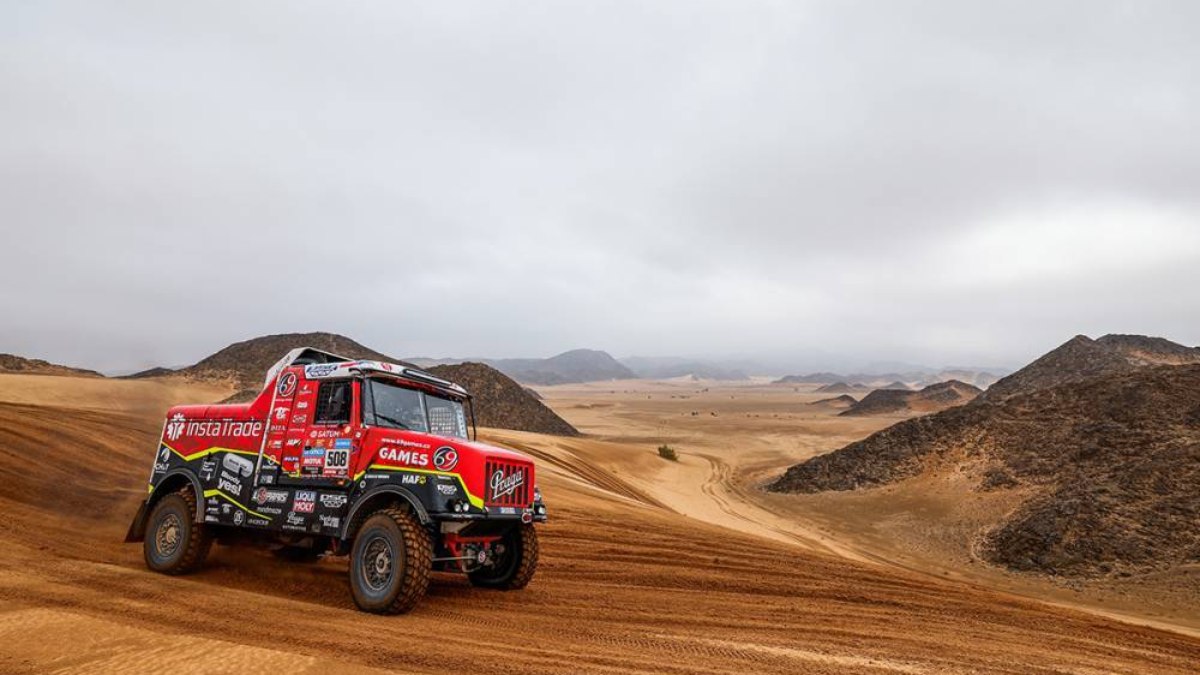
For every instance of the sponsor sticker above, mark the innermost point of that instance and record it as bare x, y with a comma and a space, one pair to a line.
446, 458
321, 369
407, 457
412, 479
342, 444
304, 502
330, 521
447, 489
333, 501
264, 496
287, 385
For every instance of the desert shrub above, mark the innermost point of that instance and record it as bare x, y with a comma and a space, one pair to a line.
667, 452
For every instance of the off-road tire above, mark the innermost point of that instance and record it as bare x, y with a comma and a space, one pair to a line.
392, 537
184, 550
511, 574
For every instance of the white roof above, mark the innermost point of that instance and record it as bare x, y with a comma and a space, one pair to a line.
334, 366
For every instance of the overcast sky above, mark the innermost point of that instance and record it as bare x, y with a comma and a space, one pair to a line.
836, 182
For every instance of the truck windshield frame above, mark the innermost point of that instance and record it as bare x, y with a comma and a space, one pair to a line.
394, 406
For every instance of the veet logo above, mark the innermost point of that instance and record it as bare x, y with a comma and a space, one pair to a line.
175, 427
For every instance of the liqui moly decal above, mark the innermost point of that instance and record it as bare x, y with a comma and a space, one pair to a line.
506, 485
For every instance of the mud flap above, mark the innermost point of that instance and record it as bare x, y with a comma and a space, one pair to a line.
137, 529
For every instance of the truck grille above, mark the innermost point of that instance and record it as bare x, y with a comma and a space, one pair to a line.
509, 483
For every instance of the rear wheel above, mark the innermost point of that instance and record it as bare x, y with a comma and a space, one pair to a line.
390, 562
515, 563
175, 543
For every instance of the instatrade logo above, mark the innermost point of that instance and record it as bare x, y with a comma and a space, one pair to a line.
175, 427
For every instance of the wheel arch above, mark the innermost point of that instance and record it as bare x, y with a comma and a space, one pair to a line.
174, 481
378, 497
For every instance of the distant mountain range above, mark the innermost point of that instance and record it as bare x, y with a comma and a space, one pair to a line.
1098, 440
590, 365
982, 378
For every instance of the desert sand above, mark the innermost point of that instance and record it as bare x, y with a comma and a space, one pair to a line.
648, 565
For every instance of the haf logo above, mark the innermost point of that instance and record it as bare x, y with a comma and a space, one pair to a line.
175, 426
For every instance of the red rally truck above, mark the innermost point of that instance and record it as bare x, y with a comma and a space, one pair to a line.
345, 457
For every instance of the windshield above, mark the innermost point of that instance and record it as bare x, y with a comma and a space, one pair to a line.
396, 407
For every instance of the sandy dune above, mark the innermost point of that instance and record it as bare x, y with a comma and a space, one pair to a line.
647, 565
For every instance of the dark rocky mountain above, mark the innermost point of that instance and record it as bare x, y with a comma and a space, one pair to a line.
246, 363
502, 403
842, 388
889, 401
843, 401
578, 365
1108, 468
1082, 358
158, 371
11, 363
498, 401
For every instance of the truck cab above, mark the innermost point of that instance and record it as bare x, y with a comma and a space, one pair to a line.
333, 445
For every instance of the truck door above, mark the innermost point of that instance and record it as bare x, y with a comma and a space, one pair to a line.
320, 441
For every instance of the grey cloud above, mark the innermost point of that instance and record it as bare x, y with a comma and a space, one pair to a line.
670, 178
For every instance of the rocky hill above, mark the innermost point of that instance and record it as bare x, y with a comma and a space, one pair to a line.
246, 363
10, 363
935, 397
578, 365
1107, 468
502, 403
843, 401
842, 388
1082, 358
498, 401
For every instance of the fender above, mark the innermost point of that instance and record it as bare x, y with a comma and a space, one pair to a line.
137, 529
369, 495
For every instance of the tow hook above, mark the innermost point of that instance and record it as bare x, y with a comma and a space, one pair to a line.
527, 517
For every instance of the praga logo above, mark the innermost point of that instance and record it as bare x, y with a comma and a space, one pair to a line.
304, 501
446, 458
287, 385
175, 426
505, 485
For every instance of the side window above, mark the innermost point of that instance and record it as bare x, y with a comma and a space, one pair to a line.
333, 403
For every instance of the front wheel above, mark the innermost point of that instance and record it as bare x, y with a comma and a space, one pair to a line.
515, 563
390, 562
175, 543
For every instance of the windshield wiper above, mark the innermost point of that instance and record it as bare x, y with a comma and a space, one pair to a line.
393, 420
